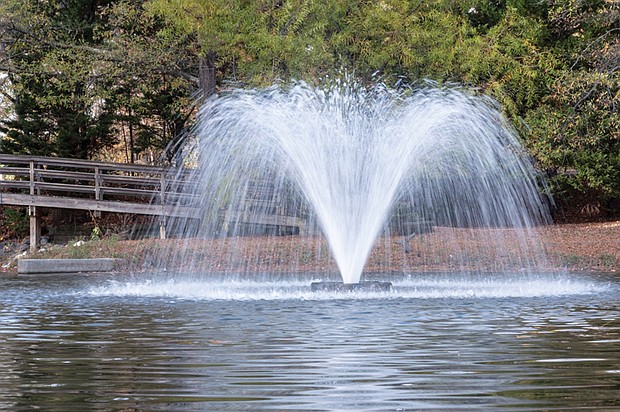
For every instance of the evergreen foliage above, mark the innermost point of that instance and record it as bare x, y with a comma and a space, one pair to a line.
83, 75
57, 94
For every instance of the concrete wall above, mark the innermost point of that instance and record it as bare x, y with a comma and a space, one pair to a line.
32, 266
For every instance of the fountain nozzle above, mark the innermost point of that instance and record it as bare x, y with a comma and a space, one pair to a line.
368, 286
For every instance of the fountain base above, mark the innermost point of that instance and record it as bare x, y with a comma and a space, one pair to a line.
369, 286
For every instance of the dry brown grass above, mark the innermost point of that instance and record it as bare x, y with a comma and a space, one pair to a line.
571, 246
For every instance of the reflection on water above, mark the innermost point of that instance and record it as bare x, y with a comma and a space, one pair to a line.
96, 343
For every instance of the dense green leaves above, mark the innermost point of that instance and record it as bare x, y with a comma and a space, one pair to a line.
56, 93
85, 75
575, 131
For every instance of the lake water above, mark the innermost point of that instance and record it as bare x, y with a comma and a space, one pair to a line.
444, 342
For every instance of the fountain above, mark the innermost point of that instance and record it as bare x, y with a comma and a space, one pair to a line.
355, 162
366, 169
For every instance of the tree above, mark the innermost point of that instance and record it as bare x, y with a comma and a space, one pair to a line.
575, 128
84, 71
256, 41
48, 60
155, 76
81, 75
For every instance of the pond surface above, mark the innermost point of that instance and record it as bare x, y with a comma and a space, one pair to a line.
103, 342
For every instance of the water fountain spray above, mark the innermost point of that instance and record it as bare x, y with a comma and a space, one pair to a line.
351, 153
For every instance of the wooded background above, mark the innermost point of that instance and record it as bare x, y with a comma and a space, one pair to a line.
121, 80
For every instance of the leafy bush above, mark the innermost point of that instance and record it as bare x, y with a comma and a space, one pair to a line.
14, 222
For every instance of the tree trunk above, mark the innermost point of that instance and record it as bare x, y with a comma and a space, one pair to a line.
207, 74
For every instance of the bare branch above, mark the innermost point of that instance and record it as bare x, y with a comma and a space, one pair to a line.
7, 96
583, 52
179, 73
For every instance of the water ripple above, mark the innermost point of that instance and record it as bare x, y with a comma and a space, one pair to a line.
66, 345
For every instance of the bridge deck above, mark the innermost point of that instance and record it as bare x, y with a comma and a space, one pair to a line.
95, 186
43, 182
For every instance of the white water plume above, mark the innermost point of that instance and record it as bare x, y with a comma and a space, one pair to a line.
352, 156
426, 287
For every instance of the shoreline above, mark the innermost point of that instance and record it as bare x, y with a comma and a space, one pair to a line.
579, 247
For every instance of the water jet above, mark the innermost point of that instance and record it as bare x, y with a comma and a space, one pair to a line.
351, 164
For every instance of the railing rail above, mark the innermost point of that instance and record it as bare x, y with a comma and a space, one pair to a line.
100, 181
44, 182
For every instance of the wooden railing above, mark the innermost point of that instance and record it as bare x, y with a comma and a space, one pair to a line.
96, 186
46, 182
42, 182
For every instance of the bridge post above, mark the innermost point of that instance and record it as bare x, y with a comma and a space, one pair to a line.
162, 226
97, 213
35, 228
162, 200
32, 177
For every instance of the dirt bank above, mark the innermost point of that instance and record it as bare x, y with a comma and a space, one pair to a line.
593, 246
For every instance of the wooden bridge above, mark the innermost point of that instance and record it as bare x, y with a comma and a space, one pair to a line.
44, 182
